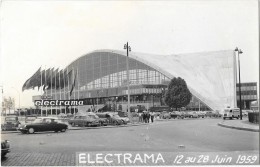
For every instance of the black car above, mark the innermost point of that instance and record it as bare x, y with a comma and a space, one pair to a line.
44, 124
5, 148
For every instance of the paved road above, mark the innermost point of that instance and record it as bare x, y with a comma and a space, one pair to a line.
198, 135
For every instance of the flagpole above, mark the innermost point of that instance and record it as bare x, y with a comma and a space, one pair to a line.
55, 91
51, 90
46, 91
74, 90
41, 92
64, 83
60, 89
78, 84
68, 87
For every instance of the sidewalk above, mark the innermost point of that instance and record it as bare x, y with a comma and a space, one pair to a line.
240, 125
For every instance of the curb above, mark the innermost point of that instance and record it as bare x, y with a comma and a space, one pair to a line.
238, 128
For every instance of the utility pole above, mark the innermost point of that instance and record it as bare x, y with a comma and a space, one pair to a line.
128, 49
239, 51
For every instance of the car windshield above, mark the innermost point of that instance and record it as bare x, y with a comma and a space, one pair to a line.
116, 116
38, 120
30, 118
93, 116
10, 119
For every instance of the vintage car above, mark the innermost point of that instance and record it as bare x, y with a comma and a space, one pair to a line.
44, 124
84, 120
10, 123
5, 148
102, 121
193, 114
124, 119
175, 114
201, 114
30, 119
165, 115
187, 114
112, 118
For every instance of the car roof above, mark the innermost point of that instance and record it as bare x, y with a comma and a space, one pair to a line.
47, 118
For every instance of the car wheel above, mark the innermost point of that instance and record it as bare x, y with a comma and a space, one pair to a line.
63, 130
31, 130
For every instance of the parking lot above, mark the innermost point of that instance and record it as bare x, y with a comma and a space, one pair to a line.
179, 135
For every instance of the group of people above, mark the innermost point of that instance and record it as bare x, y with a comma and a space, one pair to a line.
145, 116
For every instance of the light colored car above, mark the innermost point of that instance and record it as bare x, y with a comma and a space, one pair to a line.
83, 120
102, 121
165, 115
10, 123
193, 114
201, 114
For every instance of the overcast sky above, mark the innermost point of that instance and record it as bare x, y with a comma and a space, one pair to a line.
54, 33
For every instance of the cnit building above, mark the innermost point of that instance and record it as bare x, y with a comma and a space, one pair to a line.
100, 77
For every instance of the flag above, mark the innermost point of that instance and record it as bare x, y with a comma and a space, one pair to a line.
74, 82
29, 83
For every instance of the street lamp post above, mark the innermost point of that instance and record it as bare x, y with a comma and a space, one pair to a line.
19, 99
128, 49
239, 51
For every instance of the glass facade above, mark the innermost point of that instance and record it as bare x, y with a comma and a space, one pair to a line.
99, 77
248, 94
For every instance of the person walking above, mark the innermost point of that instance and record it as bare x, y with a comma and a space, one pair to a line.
144, 117
148, 117
140, 117
152, 116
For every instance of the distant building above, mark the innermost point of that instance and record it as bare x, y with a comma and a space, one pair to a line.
248, 94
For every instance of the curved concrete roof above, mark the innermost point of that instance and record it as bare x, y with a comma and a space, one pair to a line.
210, 76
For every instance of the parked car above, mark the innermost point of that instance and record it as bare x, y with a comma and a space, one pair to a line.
10, 123
245, 112
111, 118
30, 119
181, 115
187, 114
175, 114
124, 119
84, 120
193, 114
5, 148
201, 114
209, 114
165, 115
44, 124
102, 121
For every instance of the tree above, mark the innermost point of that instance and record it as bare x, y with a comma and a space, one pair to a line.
8, 103
178, 94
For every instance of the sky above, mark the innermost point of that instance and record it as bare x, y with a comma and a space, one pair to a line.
54, 33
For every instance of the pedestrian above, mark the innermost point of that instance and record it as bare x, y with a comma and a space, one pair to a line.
152, 116
144, 117
140, 117
148, 117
